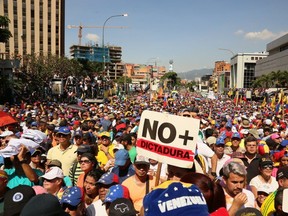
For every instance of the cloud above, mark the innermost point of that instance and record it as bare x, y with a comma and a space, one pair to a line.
265, 34
92, 37
239, 32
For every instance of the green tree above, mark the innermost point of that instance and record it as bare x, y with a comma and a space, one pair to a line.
172, 77
123, 80
5, 34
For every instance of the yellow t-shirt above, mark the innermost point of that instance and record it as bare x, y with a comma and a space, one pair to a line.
102, 158
268, 208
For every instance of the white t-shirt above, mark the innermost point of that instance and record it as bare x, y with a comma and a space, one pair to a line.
269, 187
96, 209
220, 163
250, 199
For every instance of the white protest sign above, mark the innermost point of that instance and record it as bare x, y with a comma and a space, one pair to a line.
168, 138
211, 95
285, 201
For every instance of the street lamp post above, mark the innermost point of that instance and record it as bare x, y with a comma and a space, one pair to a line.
231, 75
103, 47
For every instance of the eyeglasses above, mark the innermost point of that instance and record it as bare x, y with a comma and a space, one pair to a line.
104, 138
267, 167
84, 161
78, 137
70, 207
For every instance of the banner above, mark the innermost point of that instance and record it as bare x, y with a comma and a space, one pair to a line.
168, 138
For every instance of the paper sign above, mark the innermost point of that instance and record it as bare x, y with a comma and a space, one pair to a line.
168, 138
285, 201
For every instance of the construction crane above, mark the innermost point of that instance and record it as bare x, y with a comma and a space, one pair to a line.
80, 27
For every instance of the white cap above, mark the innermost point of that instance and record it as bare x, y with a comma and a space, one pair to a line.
140, 159
211, 140
268, 122
264, 189
52, 173
6, 133
118, 146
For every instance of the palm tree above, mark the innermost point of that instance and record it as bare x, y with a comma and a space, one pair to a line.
5, 34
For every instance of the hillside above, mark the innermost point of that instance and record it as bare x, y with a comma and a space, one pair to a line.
191, 75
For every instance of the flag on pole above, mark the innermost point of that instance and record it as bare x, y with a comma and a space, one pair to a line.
273, 102
236, 98
263, 103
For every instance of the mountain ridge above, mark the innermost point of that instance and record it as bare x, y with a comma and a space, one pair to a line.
191, 75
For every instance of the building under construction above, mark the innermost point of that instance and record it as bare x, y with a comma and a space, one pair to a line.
111, 56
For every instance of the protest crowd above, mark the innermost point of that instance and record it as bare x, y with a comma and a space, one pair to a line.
84, 159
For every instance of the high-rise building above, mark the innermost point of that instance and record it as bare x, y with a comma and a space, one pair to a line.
37, 26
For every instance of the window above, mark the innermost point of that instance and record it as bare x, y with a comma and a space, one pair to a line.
252, 58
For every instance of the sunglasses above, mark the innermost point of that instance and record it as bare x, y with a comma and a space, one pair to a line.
84, 161
62, 135
70, 207
186, 115
50, 180
267, 167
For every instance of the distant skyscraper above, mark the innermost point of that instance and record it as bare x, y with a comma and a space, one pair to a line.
37, 26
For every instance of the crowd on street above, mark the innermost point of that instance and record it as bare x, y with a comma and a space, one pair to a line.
60, 159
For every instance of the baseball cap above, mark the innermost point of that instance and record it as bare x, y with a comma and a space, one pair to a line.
105, 134
115, 192
275, 136
118, 134
108, 178
157, 201
56, 163
87, 136
248, 212
140, 159
64, 130
236, 135
16, 198
284, 143
264, 189
34, 124
265, 161
268, 122
123, 207
78, 133
220, 141
211, 140
282, 172
118, 146
44, 205
72, 196
84, 149
34, 151
121, 156
52, 173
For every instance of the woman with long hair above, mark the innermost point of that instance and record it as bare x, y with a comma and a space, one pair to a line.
87, 163
212, 191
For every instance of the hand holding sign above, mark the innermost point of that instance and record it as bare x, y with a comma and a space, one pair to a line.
168, 138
